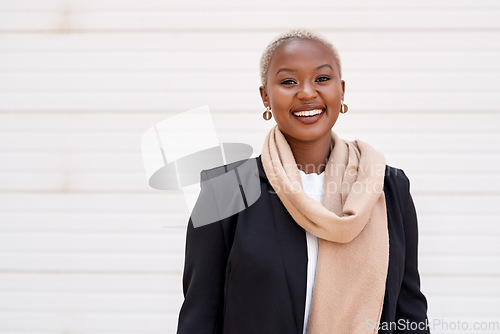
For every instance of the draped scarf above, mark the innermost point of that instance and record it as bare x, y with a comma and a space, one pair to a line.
351, 226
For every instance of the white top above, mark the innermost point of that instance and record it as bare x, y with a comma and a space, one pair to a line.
313, 187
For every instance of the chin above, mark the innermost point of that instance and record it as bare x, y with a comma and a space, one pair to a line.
311, 136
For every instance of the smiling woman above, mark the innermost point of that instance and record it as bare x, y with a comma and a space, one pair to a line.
330, 246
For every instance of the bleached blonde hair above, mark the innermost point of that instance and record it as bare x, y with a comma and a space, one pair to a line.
300, 33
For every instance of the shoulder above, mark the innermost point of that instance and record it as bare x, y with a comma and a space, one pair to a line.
226, 190
396, 187
396, 177
241, 165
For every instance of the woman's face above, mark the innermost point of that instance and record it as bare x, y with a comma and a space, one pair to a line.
304, 90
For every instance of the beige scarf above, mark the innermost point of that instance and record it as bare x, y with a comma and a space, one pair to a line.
351, 225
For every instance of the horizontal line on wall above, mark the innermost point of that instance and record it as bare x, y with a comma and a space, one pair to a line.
240, 8
253, 111
88, 272
104, 5
236, 30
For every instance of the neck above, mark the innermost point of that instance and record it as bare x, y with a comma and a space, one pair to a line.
311, 157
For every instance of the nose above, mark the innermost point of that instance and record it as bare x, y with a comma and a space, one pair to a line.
307, 91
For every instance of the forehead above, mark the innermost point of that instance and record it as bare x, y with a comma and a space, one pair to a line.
301, 51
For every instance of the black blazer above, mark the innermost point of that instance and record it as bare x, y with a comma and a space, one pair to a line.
246, 274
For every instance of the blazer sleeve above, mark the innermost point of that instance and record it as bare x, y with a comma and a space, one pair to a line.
204, 276
411, 310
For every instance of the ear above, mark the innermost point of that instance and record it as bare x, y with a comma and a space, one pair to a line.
264, 96
342, 83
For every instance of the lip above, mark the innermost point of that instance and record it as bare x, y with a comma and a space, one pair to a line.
309, 119
306, 107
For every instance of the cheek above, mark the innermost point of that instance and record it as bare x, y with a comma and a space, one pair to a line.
281, 98
334, 91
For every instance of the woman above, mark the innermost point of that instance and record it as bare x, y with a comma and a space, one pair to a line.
330, 246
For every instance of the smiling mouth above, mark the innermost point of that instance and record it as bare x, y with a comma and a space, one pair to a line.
308, 113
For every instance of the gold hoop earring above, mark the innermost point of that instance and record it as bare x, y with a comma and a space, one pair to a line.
343, 107
267, 115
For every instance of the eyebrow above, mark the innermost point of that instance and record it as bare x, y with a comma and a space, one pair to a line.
285, 70
324, 65
292, 70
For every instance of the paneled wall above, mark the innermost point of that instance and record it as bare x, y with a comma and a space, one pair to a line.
87, 247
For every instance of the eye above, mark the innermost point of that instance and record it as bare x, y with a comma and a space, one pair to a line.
288, 82
323, 78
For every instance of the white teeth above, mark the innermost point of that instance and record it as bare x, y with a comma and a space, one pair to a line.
308, 112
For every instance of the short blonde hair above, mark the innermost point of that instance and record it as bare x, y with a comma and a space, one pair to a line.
281, 39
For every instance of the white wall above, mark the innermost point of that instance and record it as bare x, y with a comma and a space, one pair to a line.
87, 247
